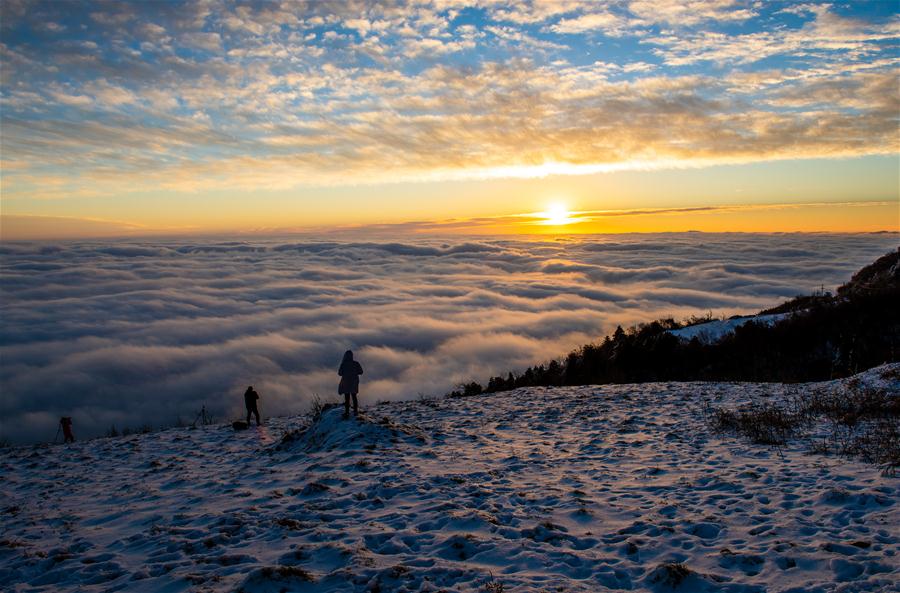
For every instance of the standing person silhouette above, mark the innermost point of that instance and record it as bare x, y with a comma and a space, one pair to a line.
350, 370
66, 423
250, 399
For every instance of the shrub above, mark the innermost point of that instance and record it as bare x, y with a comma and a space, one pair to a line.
494, 586
670, 574
764, 424
861, 421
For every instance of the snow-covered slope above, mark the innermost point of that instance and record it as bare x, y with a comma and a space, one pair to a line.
713, 331
567, 489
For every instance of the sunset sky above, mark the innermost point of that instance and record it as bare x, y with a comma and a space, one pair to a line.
465, 117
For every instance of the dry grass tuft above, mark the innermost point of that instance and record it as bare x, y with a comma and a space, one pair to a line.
860, 421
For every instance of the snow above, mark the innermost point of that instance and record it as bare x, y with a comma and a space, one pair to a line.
575, 489
713, 331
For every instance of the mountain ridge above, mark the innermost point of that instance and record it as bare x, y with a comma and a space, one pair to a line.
826, 336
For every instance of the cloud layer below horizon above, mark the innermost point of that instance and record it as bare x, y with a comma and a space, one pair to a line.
105, 99
144, 331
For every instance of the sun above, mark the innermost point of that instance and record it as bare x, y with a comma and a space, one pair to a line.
557, 214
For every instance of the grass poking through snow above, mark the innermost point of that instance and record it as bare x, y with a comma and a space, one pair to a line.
854, 420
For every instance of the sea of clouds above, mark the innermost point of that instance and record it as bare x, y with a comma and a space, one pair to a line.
144, 331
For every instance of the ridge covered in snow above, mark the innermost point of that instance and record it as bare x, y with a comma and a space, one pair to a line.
713, 331
577, 489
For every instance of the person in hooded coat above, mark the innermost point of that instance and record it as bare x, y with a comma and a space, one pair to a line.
350, 370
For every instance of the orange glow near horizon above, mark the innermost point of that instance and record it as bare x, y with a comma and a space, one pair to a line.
811, 217
856, 195
556, 219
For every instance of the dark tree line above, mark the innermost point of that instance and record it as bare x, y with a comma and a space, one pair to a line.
825, 337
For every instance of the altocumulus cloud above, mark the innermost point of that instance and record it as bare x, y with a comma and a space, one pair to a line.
106, 98
144, 331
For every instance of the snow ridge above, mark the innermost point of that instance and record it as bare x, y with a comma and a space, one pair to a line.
334, 431
618, 487
713, 331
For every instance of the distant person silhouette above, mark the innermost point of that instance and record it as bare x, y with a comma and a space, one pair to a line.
250, 399
66, 423
350, 370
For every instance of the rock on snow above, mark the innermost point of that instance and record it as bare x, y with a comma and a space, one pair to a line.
567, 489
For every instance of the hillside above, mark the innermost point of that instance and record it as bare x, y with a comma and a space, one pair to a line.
572, 489
882, 274
809, 338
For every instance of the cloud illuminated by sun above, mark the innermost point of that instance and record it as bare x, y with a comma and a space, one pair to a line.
557, 214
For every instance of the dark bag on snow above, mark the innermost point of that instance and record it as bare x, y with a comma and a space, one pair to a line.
240, 425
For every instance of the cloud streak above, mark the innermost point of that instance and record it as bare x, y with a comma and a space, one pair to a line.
141, 331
